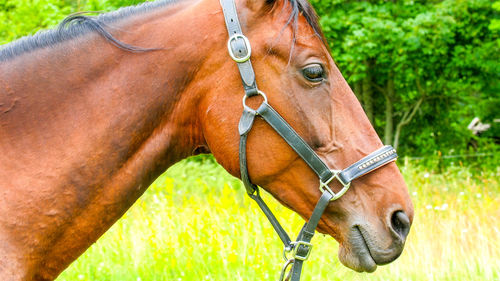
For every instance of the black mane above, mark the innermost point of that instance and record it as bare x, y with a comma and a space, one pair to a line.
78, 24
304, 7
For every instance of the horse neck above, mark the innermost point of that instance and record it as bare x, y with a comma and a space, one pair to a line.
96, 103
86, 127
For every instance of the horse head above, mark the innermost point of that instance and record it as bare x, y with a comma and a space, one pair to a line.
293, 66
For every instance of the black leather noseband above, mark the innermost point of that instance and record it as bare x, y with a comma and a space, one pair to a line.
240, 51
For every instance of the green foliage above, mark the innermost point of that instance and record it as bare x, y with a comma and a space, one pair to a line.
20, 18
107, 5
443, 52
193, 224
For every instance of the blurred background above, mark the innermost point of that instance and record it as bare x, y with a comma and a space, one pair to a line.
428, 76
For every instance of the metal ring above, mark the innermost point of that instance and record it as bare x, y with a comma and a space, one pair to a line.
287, 249
283, 270
323, 186
260, 93
247, 46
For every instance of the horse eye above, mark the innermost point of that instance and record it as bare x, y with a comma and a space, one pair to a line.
314, 72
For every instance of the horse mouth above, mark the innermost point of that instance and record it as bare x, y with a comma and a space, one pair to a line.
357, 256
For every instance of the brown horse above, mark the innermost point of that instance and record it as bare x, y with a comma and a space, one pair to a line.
86, 124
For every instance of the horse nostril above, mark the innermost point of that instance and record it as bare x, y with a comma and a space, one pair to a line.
400, 223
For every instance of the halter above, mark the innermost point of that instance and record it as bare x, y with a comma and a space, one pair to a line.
240, 51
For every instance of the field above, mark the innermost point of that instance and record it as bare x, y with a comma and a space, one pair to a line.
196, 223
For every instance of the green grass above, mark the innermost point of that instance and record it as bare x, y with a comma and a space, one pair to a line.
195, 223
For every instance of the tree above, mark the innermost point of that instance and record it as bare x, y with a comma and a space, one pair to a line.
429, 64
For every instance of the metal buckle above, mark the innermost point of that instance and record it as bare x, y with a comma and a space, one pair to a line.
259, 92
323, 186
247, 46
296, 248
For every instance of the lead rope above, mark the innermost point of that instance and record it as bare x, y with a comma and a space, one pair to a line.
240, 51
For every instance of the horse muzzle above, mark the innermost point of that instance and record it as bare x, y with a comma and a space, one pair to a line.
367, 247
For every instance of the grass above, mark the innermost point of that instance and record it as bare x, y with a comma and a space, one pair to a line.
195, 223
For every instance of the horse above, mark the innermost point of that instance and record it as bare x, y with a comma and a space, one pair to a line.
94, 111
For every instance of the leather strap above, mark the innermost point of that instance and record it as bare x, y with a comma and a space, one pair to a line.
246, 122
239, 47
307, 233
374, 160
272, 219
295, 141
367, 164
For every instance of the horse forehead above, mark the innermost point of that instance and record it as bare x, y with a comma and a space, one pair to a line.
281, 41
307, 37
303, 36
281, 24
